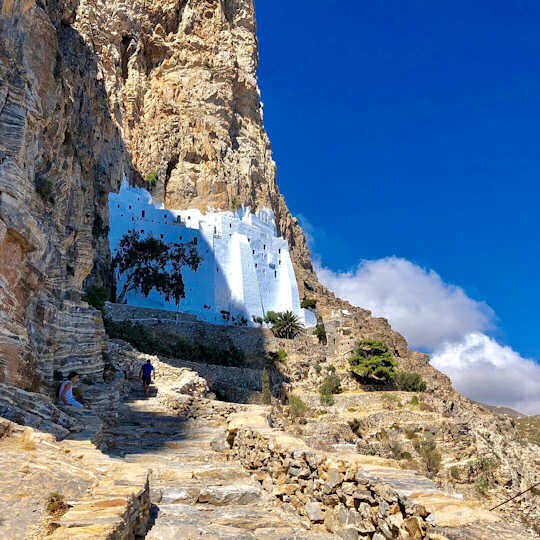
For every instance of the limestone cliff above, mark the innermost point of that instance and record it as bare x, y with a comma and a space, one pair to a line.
90, 90
60, 154
182, 84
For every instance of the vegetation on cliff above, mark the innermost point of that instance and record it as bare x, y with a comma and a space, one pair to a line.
372, 362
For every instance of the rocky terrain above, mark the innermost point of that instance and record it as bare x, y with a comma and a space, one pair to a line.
165, 93
180, 464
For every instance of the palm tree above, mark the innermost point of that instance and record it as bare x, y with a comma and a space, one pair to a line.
287, 325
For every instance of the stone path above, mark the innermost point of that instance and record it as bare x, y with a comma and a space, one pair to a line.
195, 492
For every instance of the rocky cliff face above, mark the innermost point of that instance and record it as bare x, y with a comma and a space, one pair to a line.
92, 90
181, 81
60, 154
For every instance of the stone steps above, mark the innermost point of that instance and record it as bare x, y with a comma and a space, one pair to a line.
196, 493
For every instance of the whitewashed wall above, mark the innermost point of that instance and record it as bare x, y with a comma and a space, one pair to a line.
246, 269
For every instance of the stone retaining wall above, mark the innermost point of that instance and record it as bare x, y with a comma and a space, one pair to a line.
329, 491
255, 342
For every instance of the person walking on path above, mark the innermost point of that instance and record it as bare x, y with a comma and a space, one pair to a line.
66, 390
145, 374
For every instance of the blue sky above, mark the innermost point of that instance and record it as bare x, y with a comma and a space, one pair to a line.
410, 129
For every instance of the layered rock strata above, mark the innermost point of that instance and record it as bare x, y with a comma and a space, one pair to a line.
60, 154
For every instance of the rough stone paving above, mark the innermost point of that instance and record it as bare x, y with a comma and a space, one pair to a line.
180, 465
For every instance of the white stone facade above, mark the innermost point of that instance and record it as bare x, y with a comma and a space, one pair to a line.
246, 269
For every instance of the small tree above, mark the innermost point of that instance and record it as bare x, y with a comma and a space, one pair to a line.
152, 178
309, 303
297, 407
180, 255
320, 332
287, 325
409, 382
373, 362
330, 385
150, 264
97, 296
267, 396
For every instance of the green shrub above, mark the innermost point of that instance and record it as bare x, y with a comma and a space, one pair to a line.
97, 296
406, 455
331, 384
258, 320
278, 356
483, 464
55, 504
309, 303
482, 485
326, 399
455, 472
297, 407
152, 178
409, 382
394, 447
414, 401
320, 332
372, 362
235, 204
427, 449
355, 424
267, 396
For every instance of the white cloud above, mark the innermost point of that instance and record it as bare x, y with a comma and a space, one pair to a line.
486, 371
439, 317
418, 303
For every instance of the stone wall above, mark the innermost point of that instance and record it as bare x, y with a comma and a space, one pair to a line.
332, 492
255, 342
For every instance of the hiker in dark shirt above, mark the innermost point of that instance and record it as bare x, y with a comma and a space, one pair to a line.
145, 374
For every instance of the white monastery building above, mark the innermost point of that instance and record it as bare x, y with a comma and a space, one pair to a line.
246, 269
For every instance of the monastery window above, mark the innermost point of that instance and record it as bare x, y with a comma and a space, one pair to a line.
130, 206
118, 206
195, 240
161, 236
121, 215
230, 225
279, 262
253, 251
264, 247
189, 217
132, 218
142, 214
256, 265
142, 231
275, 274
180, 238
279, 250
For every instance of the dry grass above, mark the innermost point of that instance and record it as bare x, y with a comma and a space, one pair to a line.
529, 428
